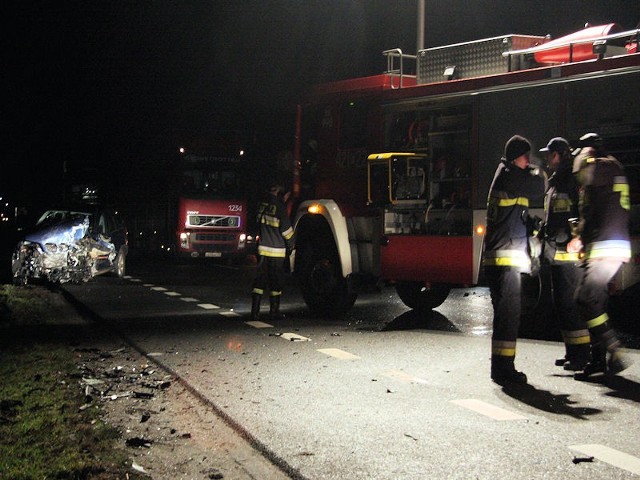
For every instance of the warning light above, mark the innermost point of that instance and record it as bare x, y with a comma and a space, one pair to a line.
480, 230
314, 208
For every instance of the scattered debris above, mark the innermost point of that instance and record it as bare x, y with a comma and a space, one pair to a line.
306, 454
577, 460
146, 395
138, 468
213, 474
138, 442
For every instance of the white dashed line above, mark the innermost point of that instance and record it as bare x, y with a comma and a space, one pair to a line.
159, 289
172, 294
208, 306
229, 314
609, 455
189, 299
258, 324
148, 285
403, 377
488, 410
337, 353
294, 337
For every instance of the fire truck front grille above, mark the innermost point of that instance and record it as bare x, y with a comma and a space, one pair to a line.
215, 237
213, 221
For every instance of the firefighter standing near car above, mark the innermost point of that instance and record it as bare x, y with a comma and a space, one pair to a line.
561, 205
276, 236
506, 251
602, 237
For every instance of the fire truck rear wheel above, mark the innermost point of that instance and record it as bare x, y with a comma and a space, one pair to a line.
417, 296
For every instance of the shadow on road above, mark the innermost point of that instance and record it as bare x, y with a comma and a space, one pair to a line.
544, 400
414, 319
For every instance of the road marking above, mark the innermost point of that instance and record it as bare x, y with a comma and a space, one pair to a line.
337, 353
208, 306
229, 314
403, 376
258, 324
159, 289
294, 337
609, 455
488, 410
189, 299
147, 284
172, 294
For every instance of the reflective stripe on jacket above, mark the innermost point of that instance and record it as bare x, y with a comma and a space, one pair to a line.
506, 241
276, 232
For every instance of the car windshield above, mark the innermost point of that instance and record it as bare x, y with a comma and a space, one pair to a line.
52, 217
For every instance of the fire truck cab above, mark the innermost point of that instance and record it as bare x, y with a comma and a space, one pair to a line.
403, 163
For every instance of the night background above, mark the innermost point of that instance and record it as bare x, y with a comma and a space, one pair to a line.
116, 86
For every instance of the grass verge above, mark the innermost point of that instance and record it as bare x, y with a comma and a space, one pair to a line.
45, 429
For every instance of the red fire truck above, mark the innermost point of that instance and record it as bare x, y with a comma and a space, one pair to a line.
396, 168
211, 208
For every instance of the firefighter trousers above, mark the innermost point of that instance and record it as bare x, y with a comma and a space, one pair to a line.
505, 286
564, 280
592, 297
270, 274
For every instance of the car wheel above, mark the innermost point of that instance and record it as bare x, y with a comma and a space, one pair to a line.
121, 263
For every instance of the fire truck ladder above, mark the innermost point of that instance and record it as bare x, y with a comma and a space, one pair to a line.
395, 65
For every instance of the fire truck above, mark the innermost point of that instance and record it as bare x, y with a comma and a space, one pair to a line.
209, 204
398, 166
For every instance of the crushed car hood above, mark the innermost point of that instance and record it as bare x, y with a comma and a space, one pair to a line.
66, 232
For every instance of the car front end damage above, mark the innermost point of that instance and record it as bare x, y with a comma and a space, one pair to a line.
61, 253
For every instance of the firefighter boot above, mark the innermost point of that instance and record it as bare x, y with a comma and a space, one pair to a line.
255, 306
274, 308
578, 356
617, 363
597, 364
503, 371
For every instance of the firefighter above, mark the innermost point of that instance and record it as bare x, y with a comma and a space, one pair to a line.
276, 236
561, 205
602, 237
506, 254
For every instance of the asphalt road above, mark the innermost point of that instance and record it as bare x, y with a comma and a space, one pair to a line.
384, 393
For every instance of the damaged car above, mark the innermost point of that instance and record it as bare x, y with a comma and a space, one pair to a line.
72, 245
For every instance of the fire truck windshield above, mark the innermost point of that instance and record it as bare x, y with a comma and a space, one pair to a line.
210, 177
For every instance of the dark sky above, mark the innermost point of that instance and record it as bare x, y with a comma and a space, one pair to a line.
119, 82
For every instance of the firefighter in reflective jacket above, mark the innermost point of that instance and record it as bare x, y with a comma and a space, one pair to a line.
276, 235
602, 237
506, 251
561, 205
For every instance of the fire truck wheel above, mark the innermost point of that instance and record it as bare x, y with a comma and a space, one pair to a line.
418, 297
323, 288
